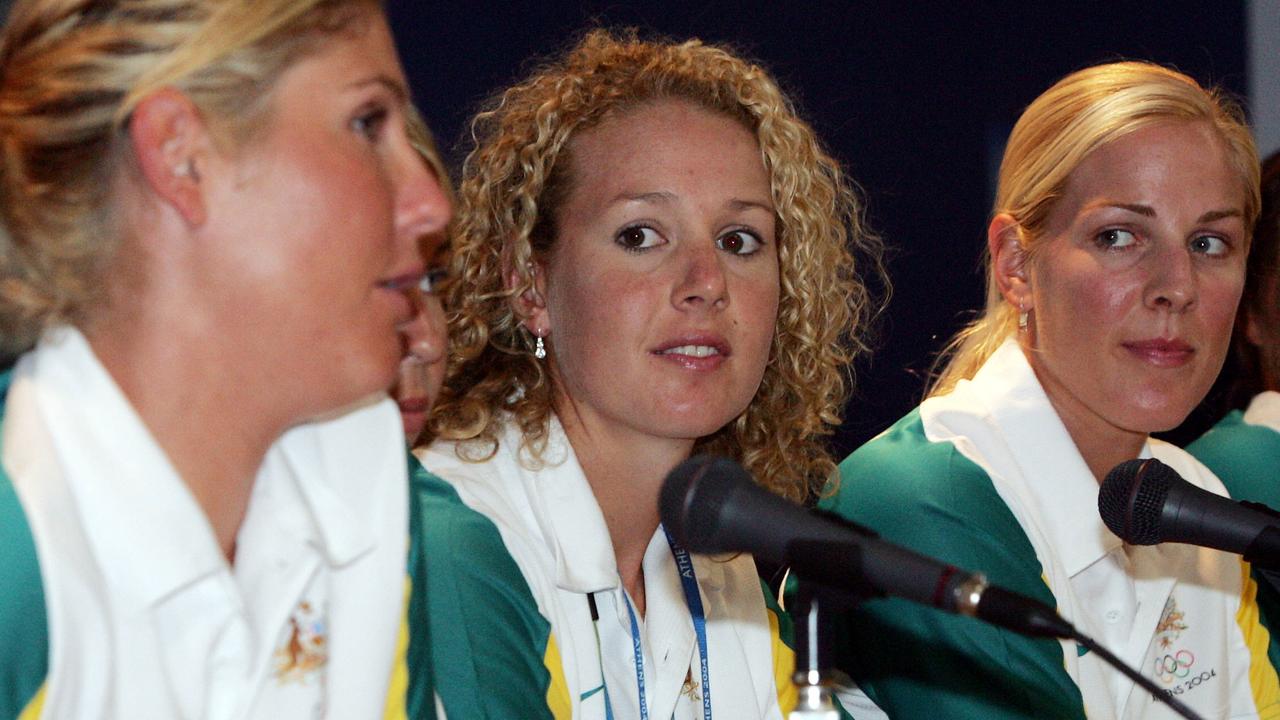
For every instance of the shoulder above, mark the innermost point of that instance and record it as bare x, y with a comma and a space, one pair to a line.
472, 617
1243, 456
451, 533
930, 497
902, 471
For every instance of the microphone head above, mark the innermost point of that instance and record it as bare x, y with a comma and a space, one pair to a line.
1132, 498
693, 497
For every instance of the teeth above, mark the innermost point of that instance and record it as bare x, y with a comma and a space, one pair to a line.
692, 351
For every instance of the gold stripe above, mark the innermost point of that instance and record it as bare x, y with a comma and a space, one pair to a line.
558, 690
784, 664
36, 706
1262, 676
398, 692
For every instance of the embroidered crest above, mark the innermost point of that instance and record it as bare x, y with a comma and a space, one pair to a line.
306, 648
1172, 623
690, 688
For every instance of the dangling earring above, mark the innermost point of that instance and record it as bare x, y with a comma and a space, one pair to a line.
1022, 319
540, 349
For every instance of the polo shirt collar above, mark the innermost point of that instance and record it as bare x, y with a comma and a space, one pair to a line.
1054, 474
568, 513
137, 509
566, 510
331, 464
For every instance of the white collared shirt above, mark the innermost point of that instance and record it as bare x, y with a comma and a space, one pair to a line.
146, 618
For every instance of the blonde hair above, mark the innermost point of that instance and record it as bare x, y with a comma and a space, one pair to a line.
515, 180
1079, 114
71, 72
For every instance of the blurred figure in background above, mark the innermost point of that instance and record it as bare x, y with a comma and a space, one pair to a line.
425, 338
1244, 448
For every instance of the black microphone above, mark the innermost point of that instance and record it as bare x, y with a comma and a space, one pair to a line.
711, 505
1146, 502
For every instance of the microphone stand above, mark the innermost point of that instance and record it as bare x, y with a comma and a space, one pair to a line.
814, 661
812, 677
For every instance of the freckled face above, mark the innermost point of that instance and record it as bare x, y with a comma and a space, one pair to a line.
662, 288
1135, 285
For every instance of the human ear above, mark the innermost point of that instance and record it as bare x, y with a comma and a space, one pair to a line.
1253, 330
170, 140
530, 304
1009, 261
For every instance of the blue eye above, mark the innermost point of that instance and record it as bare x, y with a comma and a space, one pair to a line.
1210, 245
1115, 238
638, 238
369, 123
739, 242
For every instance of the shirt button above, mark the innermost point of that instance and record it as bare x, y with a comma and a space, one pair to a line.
1113, 616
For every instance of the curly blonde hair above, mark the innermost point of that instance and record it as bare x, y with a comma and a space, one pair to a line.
1079, 114
514, 182
71, 73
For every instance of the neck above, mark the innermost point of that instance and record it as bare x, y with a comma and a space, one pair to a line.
625, 470
188, 396
1102, 444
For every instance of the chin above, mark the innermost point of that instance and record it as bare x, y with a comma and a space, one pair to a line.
1156, 418
696, 428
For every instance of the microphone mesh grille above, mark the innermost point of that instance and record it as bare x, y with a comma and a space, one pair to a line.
1132, 498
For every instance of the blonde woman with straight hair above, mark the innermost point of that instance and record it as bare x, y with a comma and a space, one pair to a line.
1116, 258
652, 258
210, 217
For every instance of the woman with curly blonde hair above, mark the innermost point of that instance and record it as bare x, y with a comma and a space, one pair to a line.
652, 258
1116, 258
209, 218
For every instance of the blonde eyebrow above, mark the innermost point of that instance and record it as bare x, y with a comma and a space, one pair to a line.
392, 85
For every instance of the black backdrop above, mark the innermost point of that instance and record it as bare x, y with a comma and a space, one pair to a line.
916, 102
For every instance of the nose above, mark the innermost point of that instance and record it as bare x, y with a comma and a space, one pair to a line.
424, 335
421, 207
1172, 285
702, 283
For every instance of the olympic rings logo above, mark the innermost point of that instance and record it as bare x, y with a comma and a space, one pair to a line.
1174, 667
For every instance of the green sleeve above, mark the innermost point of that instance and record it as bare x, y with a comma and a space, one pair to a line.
475, 631
918, 662
1245, 458
24, 631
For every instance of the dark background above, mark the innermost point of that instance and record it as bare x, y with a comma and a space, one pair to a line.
916, 102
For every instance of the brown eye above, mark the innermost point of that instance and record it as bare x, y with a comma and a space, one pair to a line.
739, 242
638, 238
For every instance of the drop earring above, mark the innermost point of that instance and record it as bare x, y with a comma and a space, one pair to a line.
1022, 319
540, 349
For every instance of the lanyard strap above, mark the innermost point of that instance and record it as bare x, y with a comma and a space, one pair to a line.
689, 582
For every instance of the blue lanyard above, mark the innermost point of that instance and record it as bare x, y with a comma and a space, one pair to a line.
689, 582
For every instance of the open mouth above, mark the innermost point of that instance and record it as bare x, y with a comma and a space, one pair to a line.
698, 351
